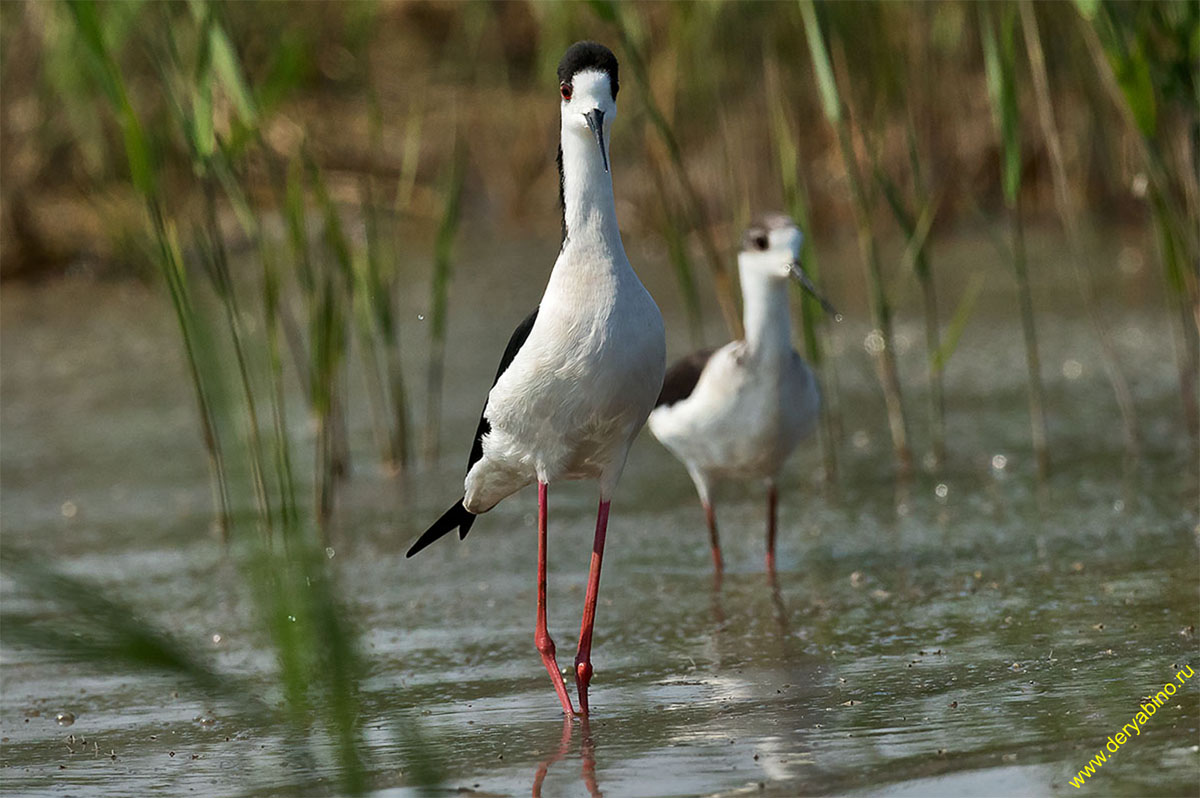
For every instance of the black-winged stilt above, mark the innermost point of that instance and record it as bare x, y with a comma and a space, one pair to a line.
737, 412
581, 373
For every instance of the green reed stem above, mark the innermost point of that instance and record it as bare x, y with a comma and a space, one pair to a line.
881, 311
999, 48
443, 249
726, 297
1069, 216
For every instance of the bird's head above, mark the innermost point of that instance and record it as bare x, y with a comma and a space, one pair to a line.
587, 83
771, 251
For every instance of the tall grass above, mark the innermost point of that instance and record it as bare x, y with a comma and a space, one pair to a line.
235, 373
915, 224
379, 288
1069, 216
726, 297
695, 71
885, 351
998, 38
330, 304
1144, 58
439, 302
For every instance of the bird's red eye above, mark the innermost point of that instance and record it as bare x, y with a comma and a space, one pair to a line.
565, 88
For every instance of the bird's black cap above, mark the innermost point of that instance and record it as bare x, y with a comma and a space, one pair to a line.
588, 55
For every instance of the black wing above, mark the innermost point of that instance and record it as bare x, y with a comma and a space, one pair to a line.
510, 352
682, 377
458, 517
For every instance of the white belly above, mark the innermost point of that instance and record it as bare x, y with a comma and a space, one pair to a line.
573, 399
743, 419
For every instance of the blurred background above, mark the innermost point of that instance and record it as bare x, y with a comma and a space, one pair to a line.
377, 135
259, 260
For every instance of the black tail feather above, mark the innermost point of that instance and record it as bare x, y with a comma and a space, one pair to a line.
457, 517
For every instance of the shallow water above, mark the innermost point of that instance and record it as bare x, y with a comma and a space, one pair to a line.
984, 638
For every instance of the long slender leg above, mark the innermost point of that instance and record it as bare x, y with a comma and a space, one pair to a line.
583, 656
541, 636
772, 507
714, 540
703, 489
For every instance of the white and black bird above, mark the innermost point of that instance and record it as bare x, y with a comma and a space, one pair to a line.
581, 373
738, 412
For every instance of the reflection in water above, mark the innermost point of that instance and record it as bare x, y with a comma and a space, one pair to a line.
587, 754
544, 765
781, 611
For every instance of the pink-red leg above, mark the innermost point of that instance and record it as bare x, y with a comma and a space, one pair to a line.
714, 540
772, 506
583, 656
541, 636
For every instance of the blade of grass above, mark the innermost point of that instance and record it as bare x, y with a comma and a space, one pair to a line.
958, 323
1069, 217
726, 298
888, 371
999, 52
439, 301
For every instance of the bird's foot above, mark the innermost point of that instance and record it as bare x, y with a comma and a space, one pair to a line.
583, 677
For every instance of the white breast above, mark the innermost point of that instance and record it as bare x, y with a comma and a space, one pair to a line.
580, 388
744, 417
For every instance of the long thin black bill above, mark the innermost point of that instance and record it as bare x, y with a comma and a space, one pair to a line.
797, 271
595, 120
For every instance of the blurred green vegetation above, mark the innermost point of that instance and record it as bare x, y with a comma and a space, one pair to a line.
346, 80
889, 133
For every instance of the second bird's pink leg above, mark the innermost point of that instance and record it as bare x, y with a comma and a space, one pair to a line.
541, 635
714, 540
772, 512
583, 657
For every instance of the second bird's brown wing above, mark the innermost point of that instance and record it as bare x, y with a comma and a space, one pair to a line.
682, 376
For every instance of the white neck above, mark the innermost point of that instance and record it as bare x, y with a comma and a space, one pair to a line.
589, 209
765, 314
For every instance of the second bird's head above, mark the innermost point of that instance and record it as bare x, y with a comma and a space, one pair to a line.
771, 250
587, 83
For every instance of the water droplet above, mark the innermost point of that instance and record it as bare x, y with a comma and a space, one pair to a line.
860, 439
420, 317
216, 639
999, 461
69, 509
837, 317
942, 491
292, 618
1072, 369
874, 343
329, 552
1118, 506
65, 718
1130, 261
1139, 184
